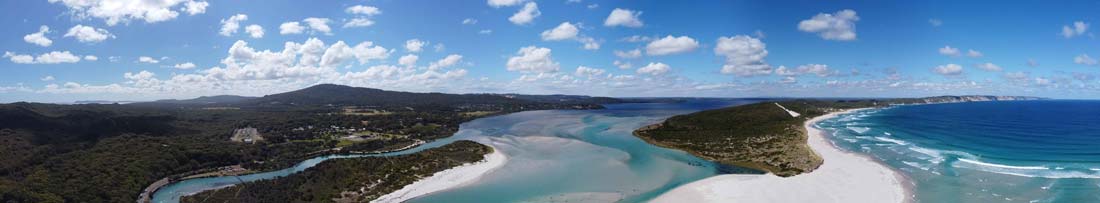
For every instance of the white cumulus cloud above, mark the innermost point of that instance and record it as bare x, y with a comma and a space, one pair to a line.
526, 15
1084, 59
408, 60
195, 7
974, 54
363, 10
1077, 29
291, 28
623, 17
88, 34
562, 32
950, 51
54, 57
184, 66
744, 55
504, 3
839, 26
671, 45
569, 31
232, 24
39, 38
820, 70
415, 45
114, 12
255, 31
146, 59
319, 25
584, 71
629, 54
532, 59
948, 70
654, 69
469, 21
989, 67
359, 22
448, 61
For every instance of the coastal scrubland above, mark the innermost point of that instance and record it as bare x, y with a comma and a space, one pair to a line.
350, 180
763, 135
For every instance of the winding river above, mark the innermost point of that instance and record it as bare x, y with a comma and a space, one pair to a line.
554, 156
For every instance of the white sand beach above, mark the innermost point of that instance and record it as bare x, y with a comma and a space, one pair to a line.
844, 177
446, 179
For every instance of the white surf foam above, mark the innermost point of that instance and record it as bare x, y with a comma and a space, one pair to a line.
859, 130
886, 139
1026, 171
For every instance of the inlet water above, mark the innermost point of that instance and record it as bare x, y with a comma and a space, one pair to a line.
553, 156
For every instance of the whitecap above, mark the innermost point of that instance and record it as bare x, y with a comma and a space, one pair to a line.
917, 165
899, 142
1002, 165
1025, 171
859, 130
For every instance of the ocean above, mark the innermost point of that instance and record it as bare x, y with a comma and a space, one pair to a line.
1007, 151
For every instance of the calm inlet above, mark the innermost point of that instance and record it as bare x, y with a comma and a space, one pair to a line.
553, 156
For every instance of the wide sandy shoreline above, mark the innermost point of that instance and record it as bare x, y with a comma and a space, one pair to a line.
446, 179
843, 177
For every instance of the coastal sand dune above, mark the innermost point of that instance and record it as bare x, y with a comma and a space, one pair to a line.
844, 177
446, 179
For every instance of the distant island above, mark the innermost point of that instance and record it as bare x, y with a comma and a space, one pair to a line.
767, 136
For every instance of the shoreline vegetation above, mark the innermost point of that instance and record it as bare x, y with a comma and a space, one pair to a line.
358, 179
67, 153
843, 177
237, 170
767, 136
779, 138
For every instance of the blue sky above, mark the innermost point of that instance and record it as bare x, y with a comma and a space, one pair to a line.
681, 48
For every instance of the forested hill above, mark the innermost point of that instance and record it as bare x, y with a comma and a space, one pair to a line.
325, 94
219, 99
340, 95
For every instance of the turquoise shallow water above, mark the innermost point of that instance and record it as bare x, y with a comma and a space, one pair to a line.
553, 156
1025, 151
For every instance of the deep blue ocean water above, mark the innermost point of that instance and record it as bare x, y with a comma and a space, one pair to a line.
1011, 151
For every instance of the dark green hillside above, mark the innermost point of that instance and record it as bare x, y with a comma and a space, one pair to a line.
344, 95
203, 100
760, 136
329, 94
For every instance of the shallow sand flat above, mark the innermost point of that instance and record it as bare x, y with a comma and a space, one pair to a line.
844, 177
446, 179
